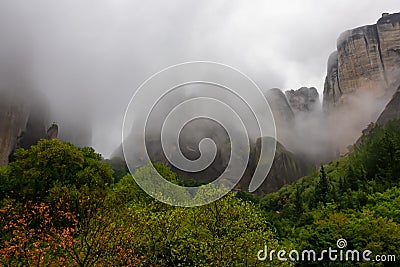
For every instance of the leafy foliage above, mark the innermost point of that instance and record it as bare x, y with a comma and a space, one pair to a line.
35, 171
59, 206
355, 197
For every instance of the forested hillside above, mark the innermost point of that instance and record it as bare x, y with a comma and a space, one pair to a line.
61, 206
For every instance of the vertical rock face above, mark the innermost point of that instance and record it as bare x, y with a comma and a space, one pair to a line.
23, 120
35, 130
279, 105
304, 99
389, 36
13, 120
367, 58
359, 60
332, 91
283, 113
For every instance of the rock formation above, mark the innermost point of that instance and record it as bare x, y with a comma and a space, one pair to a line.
286, 168
279, 105
22, 122
367, 58
283, 113
52, 132
13, 120
332, 90
392, 110
303, 100
390, 113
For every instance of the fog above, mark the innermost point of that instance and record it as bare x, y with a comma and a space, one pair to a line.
321, 137
88, 57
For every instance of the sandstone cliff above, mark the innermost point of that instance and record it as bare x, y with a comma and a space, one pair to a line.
367, 58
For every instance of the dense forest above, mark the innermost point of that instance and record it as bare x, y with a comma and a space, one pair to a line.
65, 206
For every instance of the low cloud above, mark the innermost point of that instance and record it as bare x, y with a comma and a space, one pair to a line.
88, 57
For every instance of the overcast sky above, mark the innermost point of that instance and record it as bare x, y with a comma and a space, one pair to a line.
88, 57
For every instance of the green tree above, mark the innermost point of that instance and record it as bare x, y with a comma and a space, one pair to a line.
36, 170
298, 201
323, 187
4, 182
228, 232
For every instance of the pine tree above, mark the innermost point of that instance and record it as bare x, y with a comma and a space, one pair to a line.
323, 187
352, 179
298, 202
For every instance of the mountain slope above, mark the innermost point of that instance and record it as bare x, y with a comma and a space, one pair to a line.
391, 111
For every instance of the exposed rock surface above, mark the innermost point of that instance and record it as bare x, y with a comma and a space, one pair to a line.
52, 132
304, 99
189, 146
279, 105
367, 58
283, 113
389, 38
392, 110
332, 91
390, 113
23, 120
13, 120
286, 168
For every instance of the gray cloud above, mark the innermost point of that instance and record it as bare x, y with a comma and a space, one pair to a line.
88, 57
